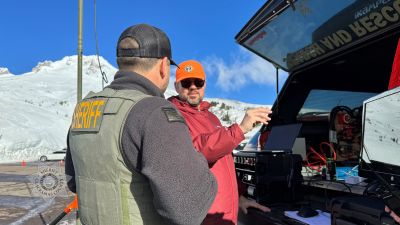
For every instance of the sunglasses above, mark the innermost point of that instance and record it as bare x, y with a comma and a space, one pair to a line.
187, 83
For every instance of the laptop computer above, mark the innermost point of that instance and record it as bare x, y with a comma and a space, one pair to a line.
282, 138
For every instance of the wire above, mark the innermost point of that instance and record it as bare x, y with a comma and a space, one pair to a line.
344, 184
319, 158
277, 91
331, 149
103, 74
319, 155
384, 182
290, 177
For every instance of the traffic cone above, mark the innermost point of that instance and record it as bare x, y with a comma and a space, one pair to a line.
23, 163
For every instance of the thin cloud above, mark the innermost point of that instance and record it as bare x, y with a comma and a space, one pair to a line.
244, 68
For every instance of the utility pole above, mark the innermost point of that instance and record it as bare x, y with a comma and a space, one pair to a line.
80, 41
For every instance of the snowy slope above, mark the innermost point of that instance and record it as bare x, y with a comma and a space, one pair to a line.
36, 107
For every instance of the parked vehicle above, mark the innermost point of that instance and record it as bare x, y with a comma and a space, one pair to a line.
337, 54
56, 155
241, 145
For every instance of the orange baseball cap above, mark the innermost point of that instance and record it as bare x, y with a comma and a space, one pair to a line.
189, 69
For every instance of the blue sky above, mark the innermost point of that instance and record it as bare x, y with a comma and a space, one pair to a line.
34, 31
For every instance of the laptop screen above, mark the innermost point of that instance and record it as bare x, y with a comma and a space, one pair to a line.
282, 137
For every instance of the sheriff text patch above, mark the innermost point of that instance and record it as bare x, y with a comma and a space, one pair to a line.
88, 115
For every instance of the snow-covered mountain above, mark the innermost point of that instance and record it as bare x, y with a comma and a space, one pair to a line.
5, 72
36, 107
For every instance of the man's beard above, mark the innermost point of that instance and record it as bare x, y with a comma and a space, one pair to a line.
194, 102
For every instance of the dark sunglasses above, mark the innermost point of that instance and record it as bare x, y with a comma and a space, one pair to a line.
186, 83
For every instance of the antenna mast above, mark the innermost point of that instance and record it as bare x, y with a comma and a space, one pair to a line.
80, 41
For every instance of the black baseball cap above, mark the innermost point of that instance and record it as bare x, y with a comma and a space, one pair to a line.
153, 43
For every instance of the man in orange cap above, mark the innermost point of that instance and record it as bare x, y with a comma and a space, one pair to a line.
215, 141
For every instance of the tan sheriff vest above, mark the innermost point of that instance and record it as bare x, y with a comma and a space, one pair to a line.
109, 193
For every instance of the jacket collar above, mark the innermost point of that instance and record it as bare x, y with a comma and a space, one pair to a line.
204, 105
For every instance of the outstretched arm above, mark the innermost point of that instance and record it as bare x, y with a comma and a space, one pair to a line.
221, 141
218, 143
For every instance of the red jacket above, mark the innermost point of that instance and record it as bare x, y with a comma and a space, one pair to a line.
216, 143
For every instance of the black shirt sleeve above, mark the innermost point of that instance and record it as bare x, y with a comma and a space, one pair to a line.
156, 141
69, 169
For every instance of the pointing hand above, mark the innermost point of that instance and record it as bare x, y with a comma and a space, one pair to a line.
253, 117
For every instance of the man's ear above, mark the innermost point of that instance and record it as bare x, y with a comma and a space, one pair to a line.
164, 67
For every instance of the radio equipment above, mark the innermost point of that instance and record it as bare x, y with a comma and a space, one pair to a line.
271, 177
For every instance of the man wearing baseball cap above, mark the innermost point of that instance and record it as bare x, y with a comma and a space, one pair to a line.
215, 141
129, 149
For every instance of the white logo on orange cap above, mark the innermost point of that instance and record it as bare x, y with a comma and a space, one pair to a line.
188, 69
